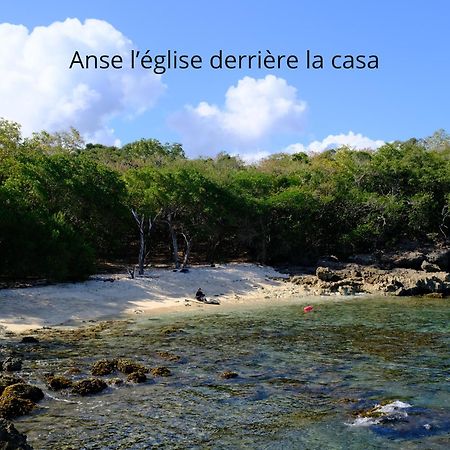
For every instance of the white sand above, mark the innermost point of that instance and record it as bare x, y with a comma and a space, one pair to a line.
70, 303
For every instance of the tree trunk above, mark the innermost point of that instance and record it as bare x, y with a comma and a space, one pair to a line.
140, 220
187, 250
173, 235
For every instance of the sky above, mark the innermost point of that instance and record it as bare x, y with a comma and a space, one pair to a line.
252, 112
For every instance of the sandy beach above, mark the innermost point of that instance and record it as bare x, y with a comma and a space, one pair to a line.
109, 296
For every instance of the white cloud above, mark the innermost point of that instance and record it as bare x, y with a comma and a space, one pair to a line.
353, 140
38, 89
253, 110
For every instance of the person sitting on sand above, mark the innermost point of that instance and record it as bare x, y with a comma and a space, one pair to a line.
199, 295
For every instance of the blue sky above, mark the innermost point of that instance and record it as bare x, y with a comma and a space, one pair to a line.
407, 96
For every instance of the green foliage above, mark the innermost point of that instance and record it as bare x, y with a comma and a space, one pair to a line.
63, 204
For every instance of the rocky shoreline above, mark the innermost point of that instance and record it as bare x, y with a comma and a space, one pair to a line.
413, 272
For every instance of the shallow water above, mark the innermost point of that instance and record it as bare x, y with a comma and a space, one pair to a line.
302, 379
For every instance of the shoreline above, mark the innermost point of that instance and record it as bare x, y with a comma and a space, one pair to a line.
104, 297
162, 290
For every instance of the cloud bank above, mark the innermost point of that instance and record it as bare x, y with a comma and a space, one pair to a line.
353, 140
38, 90
253, 110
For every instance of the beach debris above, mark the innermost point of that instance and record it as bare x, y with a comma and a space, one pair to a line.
89, 386
308, 308
228, 374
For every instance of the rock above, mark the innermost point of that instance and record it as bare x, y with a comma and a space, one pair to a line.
11, 407
228, 375
104, 367
89, 386
127, 366
115, 381
137, 377
10, 438
435, 295
326, 274
11, 364
363, 259
8, 380
168, 356
29, 340
161, 372
440, 257
58, 382
408, 260
429, 267
23, 391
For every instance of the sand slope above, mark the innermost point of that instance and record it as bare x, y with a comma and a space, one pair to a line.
68, 303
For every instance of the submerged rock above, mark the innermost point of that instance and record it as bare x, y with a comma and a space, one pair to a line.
137, 377
10, 438
23, 391
161, 372
228, 374
168, 356
11, 364
29, 340
58, 382
89, 386
104, 367
128, 366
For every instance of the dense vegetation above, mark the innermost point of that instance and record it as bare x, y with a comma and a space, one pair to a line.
64, 204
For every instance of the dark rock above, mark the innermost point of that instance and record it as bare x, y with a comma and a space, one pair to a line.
137, 377
363, 259
89, 386
228, 375
440, 257
435, 295
326, 274
8, 380
11, 364
184, 270
23, 391
10, 438
128, 366
161, 372
11, 407
29, 340
115, 381
104, 367
429, 267
58, 382
408, 260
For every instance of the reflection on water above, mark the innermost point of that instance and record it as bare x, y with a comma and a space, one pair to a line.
304, 380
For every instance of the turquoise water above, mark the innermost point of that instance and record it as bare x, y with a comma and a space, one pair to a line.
302, 379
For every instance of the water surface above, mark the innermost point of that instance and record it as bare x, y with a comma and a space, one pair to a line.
302, 379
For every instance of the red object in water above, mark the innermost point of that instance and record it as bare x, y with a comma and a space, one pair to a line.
307, 308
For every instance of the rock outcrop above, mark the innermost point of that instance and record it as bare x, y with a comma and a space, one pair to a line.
10, 438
